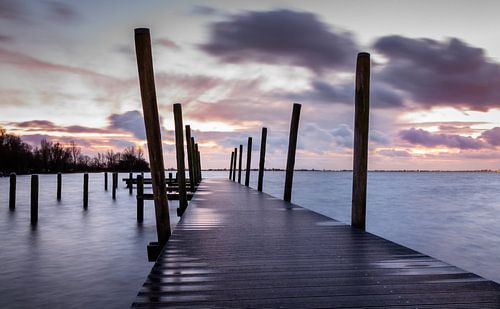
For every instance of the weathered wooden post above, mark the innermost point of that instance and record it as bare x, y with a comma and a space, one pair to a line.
195, 164
360, 157
34, 199
140, 198
59, 186
239, 163
105, 181
189, 149
153, 134
231, 166
181, 169
114, 178
249, 160
170, 179
198, 157
85, 190
262, 161
292, 146
130, 183
234, 163
12, 191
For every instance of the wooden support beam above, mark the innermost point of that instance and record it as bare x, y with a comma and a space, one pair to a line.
59, 186
239, 163
140, 199
262, 161
234, 163
153, 133
249, 162
292, 146
189, 149
231, 166
360, 157
34, 199
12, 191
181, 169
85, 191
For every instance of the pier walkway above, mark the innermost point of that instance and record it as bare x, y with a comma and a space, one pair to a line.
236, 247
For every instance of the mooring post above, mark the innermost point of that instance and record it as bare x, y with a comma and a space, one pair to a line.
195, 164
231, 166
105, 181
360, 156
249, 160
198, 156
181, 169
239, 163
114, 177
153, 134
234, 163
189, 149
12, 191
140, 198
130, 183
59, 186
292, 146
34, 199
85, 190
262, 161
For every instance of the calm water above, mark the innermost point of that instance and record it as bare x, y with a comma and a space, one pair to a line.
97, 258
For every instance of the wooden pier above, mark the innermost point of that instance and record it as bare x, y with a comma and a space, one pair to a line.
237, 247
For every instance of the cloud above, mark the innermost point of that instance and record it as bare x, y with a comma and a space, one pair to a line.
12, 10
49, 126
440, 73
131, 121
394, 153
165, 42
428, 139
204, 10
281, 37
492, 136
62, 12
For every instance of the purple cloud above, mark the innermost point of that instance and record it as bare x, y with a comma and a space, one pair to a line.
492, 136
131, 121
62, 12
281, 37
428, 139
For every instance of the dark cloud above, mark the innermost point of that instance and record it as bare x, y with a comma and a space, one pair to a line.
204, 10
428, 139
440, 73
131, 121
6, 38
281, 37
62, 12
492, 136
12, 10
49, 126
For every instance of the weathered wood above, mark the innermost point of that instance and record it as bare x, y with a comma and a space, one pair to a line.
189, 149
114, 184
195, 164
140, 200
12, 191
231, 166
130, 185
249, 162
198, 161
234, 163
59, 186
262, 161
181, 169
292, 146
34, 199
360, 156
239, 163
153, 133
85, 190
105, 181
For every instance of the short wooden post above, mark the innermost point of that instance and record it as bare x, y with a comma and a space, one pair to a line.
34, 199
12, 192
181, 168
360, 156
130, 183
189, 149
292, 146
85, 190
234, 163
106, 181
262, 161
153, 134
249, 160
113, 184
59, 186
231, 166
140, 198
239, 163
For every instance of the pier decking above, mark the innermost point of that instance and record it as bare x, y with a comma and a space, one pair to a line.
236, 247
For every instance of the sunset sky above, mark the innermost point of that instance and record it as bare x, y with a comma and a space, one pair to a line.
68, 72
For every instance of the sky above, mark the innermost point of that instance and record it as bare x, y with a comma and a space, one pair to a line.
69, 73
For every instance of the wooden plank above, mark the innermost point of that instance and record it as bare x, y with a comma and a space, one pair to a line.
243, 248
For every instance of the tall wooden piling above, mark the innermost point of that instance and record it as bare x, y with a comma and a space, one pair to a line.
114, 180
59, 186
249, 162
85, 190
234, 163
360, 156
130, 183
189, 149
195, 165
181, 169
153, 133
140, 198
12, 192
239, 163
198, 161
292, 146
231, 166
34, 199
105, 181
262, 161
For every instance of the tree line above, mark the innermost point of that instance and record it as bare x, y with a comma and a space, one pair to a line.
52, 157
